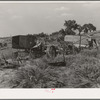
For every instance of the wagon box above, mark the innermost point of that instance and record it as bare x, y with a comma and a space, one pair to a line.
23, 41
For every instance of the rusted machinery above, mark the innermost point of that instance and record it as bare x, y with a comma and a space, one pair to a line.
23, 41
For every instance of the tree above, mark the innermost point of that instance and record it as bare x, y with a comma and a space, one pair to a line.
70, 26
42, 34
62, 32
89, 27
54, 33
79, 28
85, 28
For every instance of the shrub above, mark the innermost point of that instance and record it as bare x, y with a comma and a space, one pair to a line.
24, 77
33, 76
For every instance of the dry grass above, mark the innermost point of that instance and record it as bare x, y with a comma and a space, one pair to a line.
85, 71
81, 71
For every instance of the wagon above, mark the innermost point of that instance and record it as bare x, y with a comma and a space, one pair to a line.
23, 41
28, 43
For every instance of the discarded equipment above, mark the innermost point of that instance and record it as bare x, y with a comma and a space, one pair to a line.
87, 40
23, 41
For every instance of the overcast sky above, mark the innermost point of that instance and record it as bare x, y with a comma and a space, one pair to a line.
30, 18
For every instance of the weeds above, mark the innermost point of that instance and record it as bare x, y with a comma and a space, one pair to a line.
81, 71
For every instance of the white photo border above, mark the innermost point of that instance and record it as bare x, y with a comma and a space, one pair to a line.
66, 93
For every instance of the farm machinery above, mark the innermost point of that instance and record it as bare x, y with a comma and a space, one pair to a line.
34, 48
27, 47
70, 45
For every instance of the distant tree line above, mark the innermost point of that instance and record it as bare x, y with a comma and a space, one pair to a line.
71, 26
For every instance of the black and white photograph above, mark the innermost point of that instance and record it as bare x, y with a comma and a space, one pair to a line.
50, 45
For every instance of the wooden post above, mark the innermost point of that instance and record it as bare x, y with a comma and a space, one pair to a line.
73, 47
80, 42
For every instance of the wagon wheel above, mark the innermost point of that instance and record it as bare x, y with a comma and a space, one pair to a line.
52, 52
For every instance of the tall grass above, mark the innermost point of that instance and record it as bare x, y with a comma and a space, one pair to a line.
85, 70
81, 71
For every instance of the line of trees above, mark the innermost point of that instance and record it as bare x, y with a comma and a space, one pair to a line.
71, 26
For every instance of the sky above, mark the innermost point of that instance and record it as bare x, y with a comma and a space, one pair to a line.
32, 18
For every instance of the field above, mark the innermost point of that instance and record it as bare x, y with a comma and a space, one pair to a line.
82, 70
50, 45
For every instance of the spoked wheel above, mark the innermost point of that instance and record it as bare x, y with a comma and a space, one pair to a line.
52, 53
